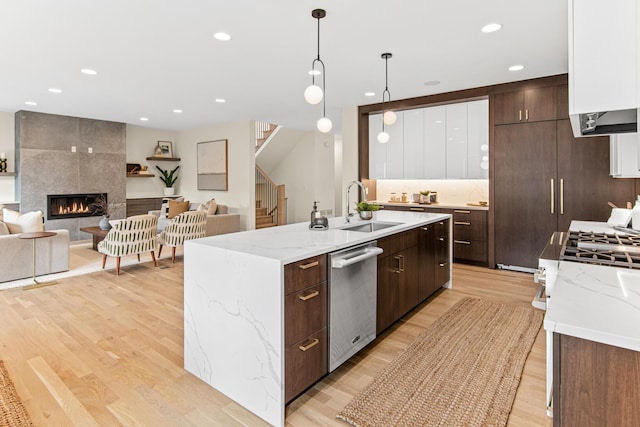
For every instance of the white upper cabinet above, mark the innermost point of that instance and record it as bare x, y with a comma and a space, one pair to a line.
625, 155
447, 141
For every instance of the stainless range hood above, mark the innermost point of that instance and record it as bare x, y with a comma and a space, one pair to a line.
605, 122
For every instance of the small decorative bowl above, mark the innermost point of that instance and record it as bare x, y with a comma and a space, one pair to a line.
366, 214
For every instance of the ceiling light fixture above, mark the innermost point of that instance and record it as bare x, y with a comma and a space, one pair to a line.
144, 119
55, 90
314, 94
369, 94
223, 37
388, 117
177, 111
221, 100
491, 28
88, 71
516, 68
432, 83
31, 103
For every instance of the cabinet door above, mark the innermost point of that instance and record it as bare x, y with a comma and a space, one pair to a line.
426, 261
413, 144
508, 107
377, 151
387, 295
305, 363
457, 141
395, 148
408, 296
435, 133
540, 104
478, 139
524, 180
584, 186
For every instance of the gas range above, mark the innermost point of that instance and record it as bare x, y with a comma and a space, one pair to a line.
615, 250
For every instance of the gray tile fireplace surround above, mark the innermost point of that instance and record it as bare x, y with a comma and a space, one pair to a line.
47, 164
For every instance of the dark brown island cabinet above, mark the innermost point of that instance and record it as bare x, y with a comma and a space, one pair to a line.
594, 384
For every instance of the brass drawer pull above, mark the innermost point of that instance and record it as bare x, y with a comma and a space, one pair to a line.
444, 264
441, 239
461, 211
309, 296
463, 242
314, 342
417, 209
461, 223
425, 228
311, 264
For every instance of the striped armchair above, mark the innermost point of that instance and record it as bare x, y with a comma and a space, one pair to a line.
131, 236
186, 226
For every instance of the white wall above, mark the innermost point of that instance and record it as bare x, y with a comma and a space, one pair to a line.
7, 146
240, 196
308, 174
349, 150
141, 143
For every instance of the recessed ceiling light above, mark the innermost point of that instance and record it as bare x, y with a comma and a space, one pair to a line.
369, 94
223, 37
88, 71
516, 68
144, 119
432, 83
490, 28
438, 121
314, 72
55, 90
221, 100
31, 103
177, 110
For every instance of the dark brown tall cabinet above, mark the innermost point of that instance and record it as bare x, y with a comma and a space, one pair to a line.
543, 178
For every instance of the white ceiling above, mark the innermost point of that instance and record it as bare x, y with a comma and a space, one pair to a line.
157, 55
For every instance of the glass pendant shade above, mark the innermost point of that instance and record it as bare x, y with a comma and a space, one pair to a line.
389, 117
383, 137
313, 94
324, 125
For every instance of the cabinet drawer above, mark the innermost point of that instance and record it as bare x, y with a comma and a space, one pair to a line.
469, 215
305, 273
397, 242
305, 363
472, 250
305, 312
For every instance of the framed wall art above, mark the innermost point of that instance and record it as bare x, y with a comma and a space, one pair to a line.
164, 149
212, 165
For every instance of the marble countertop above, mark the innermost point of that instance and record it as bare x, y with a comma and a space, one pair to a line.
594, 302
294, 242
441, 205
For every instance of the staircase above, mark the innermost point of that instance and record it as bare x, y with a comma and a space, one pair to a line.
263, 132
271, 203
263, 220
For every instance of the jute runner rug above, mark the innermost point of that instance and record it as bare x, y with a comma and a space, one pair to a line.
463, 370
12, 413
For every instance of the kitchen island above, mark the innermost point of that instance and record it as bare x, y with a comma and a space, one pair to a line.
594, 315
234, 302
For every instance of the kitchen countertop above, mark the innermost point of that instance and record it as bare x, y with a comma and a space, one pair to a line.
594, 302
293, 242
443, 205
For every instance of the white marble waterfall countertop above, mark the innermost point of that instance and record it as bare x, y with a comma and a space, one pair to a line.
594, 302
295, 242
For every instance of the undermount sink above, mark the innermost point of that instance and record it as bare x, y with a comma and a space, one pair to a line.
368, 227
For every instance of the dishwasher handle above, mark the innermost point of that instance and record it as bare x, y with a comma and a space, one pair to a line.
347, 260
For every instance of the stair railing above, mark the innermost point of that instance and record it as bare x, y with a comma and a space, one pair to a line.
262, 132
272, 197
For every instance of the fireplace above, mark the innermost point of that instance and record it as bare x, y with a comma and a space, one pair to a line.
75, 205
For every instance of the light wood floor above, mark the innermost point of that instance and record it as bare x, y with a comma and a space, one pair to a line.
105, 350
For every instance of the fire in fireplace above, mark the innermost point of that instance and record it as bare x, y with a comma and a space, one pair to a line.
75, 205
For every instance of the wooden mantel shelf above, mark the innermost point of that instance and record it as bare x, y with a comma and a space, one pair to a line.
140, 175
164, 159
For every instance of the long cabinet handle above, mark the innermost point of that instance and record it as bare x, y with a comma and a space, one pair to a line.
526, 115
417, 209
400, 259
311, 264
461, 211
520, 115
314, 342
462, 242
461, 223
444, 264
553, 209
309, 296
561, 196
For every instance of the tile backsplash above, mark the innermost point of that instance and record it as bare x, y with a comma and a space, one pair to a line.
452, 191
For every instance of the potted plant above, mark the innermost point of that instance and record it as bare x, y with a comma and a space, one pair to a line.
366, 210
424, 196
169, 178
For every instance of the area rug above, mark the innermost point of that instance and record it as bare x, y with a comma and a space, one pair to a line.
464, 370
12, 413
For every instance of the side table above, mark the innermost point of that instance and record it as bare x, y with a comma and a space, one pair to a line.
98, 235
34, 236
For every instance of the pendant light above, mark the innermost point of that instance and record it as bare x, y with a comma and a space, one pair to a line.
388, 117
314, 94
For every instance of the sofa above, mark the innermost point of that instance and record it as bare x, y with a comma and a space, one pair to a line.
222, 222
16, 261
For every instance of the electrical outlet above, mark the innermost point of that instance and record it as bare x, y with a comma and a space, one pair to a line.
90, 150
73, 148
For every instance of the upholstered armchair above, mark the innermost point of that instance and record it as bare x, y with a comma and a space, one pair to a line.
131, 236
185, 226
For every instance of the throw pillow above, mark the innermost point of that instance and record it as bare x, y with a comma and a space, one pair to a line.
1, 208
3, 229
164, 209
209, 207
176, 208
23, 223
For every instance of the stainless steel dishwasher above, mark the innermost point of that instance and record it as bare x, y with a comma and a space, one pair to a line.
352, 301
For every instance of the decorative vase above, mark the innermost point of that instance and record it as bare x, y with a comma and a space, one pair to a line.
104, 223
169, 191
